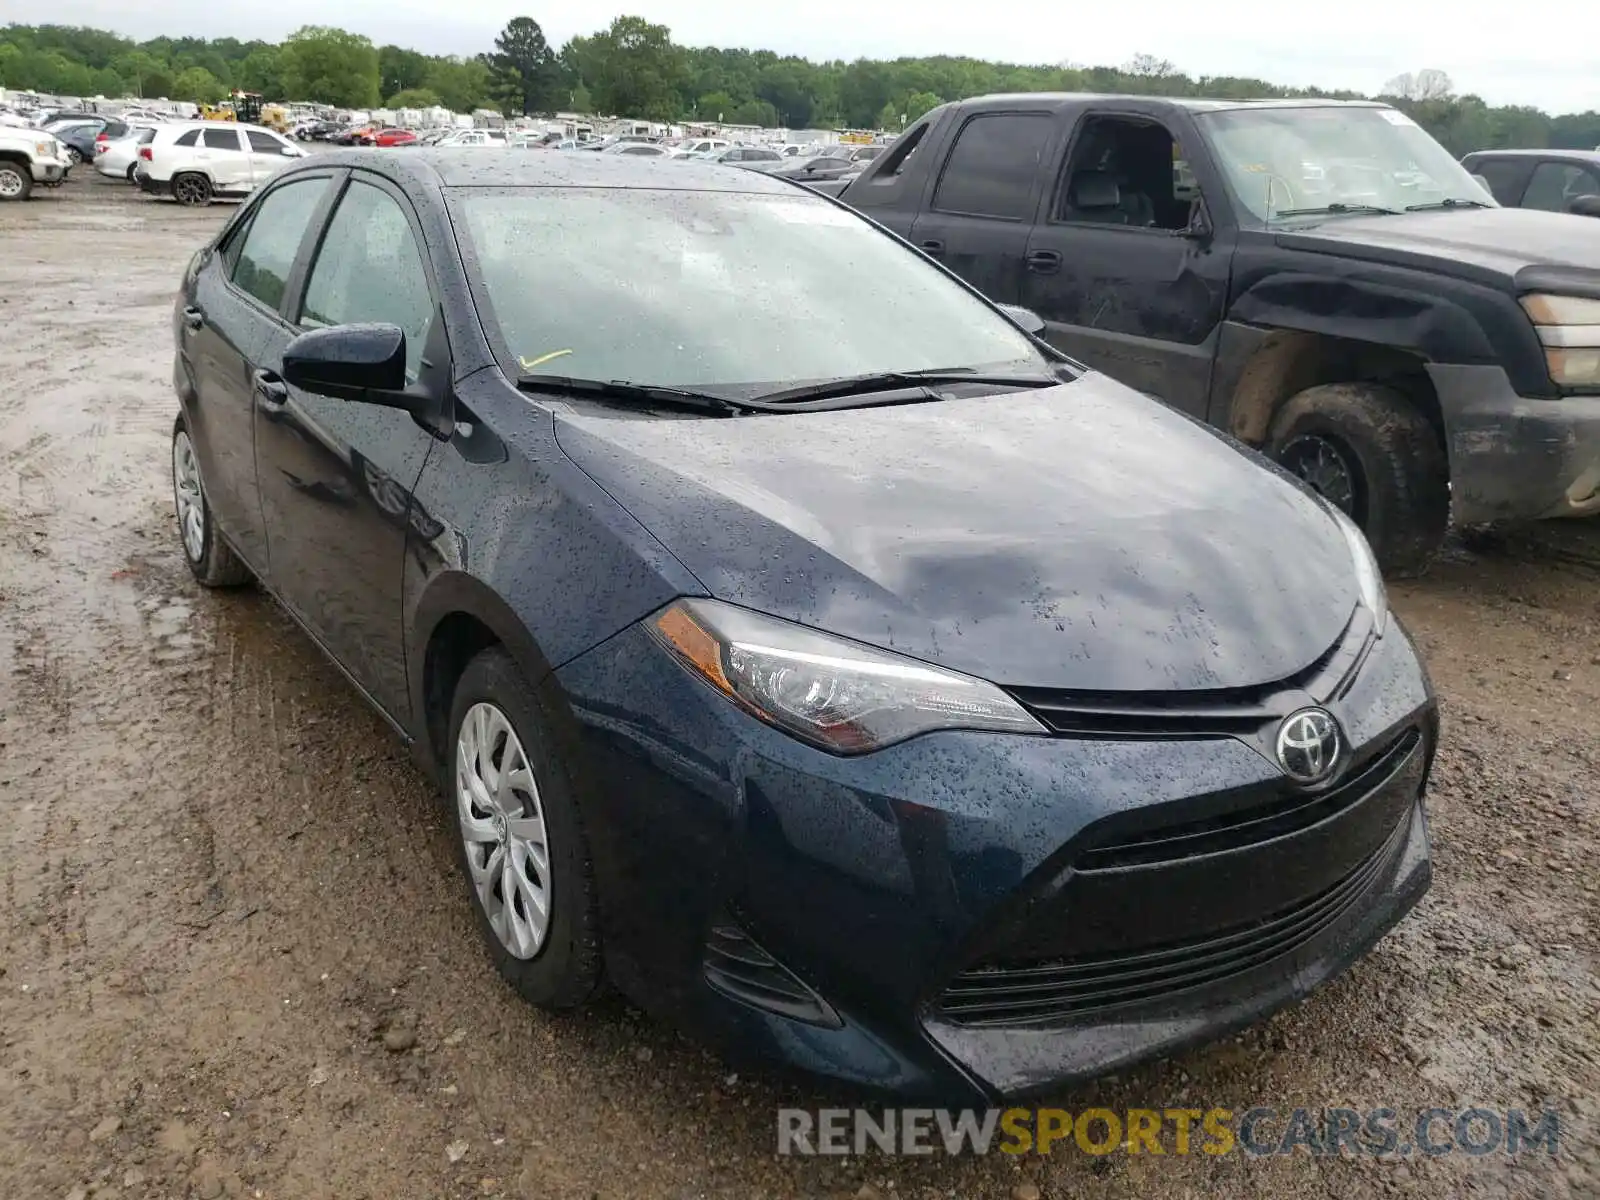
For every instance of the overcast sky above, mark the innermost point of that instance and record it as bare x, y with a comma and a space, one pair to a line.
1357, 44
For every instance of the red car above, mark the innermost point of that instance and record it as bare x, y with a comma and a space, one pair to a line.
393, 137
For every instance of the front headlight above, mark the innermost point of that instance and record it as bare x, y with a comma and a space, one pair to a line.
838, 695
1369, 579
1569, 328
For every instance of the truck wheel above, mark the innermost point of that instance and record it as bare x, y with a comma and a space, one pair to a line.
15, 181
1367, 449
191, 189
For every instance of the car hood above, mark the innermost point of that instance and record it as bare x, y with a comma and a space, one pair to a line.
1497, 242
1079, 537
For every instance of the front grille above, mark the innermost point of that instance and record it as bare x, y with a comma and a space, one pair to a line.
1043, 993
1203, 713
738, 967
1288, 812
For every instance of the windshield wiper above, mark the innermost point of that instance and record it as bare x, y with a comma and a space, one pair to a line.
1447, 202
622, 389
1337, 208
901, 382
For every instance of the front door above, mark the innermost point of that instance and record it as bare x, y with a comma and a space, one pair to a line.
1114, 269
268, 154
336, 476
978, 220
234, 315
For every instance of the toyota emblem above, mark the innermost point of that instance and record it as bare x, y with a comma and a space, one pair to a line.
1308, 745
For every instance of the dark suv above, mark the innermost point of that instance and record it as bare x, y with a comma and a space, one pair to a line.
1321, 279
1552, 180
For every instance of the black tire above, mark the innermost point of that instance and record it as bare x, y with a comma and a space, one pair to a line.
567, 968
191, 189
74, 156
132, 167
1399, 477
216, 566
18, 181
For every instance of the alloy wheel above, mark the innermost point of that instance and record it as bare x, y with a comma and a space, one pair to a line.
187, 497
74, 156
10, 185
190, 189
1326, 467
503, 828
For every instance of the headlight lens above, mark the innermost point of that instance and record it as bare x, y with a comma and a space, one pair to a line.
835, 694
1369, 579
1569, 328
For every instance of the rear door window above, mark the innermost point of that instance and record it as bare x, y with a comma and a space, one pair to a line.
270, 245
220, 139
188, 138
994, 165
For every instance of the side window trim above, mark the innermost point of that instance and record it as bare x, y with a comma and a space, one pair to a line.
955, 144
313, 233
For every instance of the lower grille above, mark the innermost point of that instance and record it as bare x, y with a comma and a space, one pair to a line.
739, 968
1038, 994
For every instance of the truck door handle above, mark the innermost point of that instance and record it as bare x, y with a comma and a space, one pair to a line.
271, 388
933, 246
1045, 262
193, 318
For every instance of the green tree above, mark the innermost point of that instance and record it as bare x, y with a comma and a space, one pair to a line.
462, 85
414, 98
330, 66
401, 70
579, 100
715, 106
262, 71
525, 72
199, 85
632, 69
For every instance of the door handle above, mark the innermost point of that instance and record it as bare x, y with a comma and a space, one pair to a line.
933, 246
271, 388
193, 318
1045, 262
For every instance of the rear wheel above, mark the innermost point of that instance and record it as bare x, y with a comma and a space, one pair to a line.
16, 182
74, 156
210, 558
522, 845
132, 167
1371, 452
191, 189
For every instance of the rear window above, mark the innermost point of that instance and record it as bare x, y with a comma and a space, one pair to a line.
188, 139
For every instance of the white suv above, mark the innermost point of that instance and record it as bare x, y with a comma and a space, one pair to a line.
194, 161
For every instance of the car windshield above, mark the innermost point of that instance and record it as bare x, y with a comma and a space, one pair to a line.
701, 289
1285, 161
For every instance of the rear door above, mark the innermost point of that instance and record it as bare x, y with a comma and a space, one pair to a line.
232, 315
337, 475
1556, 183
1120, 284
983, 203
221, 150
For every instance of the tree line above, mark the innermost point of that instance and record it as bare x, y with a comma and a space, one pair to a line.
633, 68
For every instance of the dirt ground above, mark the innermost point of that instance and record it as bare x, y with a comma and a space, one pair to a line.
236, 959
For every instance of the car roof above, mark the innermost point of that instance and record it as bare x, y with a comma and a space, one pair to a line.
1583, 156
185, 125
1061, 99
447, 167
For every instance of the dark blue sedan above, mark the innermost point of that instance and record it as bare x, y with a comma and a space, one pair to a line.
802, 643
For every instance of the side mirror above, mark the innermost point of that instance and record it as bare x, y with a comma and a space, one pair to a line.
1585, 206
350, 362
1483, 182
1030, 321
1199, 228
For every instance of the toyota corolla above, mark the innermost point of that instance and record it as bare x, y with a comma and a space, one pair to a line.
801, 643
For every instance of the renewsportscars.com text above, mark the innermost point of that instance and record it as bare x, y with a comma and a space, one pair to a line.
1255, 1131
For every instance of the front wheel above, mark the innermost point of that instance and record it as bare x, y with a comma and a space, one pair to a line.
15, 181
1369, 450
521, 839
210, 558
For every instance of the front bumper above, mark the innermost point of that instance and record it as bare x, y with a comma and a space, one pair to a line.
48, 170
1512, 457
884, 883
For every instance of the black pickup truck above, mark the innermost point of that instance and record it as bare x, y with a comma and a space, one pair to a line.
1320, 279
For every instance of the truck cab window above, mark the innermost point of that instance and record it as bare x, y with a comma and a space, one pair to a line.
1125, 171
992, 167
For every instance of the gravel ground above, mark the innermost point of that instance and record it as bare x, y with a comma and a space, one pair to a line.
236, 960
